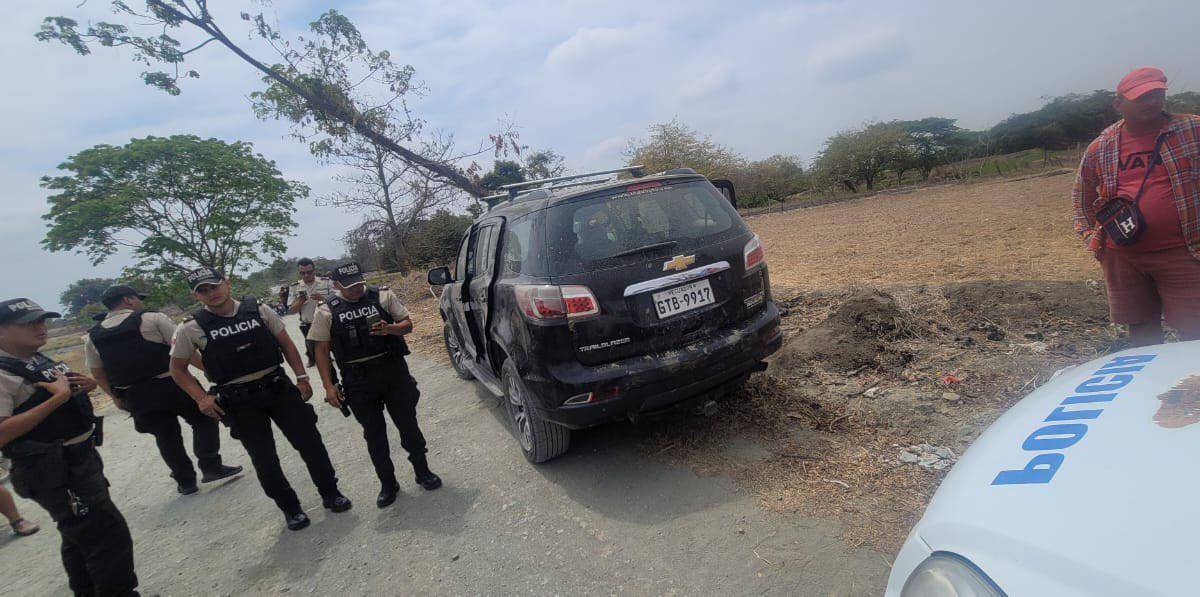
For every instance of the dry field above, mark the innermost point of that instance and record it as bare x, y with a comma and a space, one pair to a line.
986, 231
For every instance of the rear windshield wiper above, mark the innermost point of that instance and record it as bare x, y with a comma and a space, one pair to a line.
651, 247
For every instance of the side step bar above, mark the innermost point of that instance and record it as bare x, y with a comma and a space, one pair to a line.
485, 377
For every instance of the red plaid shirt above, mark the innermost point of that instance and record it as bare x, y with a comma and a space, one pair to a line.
1096, 182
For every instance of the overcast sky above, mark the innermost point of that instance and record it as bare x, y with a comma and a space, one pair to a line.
581, 78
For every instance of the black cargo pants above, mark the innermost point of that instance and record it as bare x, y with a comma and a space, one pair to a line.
374, 386
157, 405
249, 411
97, 549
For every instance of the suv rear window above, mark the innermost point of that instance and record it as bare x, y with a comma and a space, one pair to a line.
593, 232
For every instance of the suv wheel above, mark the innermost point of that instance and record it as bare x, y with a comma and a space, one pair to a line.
540, 440
456, 354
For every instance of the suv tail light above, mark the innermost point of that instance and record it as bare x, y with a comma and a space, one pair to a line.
753, 253
551, 303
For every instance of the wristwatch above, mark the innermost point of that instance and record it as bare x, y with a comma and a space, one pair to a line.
301, 376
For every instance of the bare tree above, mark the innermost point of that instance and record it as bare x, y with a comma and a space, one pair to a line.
328, 83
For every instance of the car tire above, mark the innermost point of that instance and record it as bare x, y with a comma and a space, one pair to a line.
539, 439
456, 354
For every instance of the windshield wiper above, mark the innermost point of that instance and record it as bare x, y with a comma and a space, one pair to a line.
651, 247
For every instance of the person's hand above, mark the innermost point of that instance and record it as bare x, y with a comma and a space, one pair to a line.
333, 396
302, 298
80, 382
306, 392
208, 405
381, 328
59, 388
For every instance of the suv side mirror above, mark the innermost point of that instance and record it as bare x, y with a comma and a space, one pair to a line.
726, 187
440, 276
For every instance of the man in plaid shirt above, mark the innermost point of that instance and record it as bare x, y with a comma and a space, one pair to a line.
1156, 278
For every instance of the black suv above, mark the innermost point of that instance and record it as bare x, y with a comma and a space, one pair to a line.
587, 302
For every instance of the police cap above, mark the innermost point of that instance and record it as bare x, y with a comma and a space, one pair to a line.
23, 310
113, 294
347, 274
204, 275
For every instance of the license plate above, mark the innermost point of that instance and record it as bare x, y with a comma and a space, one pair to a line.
682, 299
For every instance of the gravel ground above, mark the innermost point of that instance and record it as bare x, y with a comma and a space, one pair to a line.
604, 519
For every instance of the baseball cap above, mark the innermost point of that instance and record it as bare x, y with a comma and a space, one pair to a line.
1140, 80
23, 310
348, 274
204, 275
113, 294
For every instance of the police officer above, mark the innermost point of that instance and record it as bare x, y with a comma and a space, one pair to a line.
306, 294
48, 429
364, 328
128, 353
242, 345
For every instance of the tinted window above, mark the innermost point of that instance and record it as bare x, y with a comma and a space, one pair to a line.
595, 231
461, 264
480, 255
518, 245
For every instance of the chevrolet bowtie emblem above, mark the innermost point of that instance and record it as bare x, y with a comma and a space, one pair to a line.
679, 263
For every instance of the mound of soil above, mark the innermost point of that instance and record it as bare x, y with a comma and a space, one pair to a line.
1011, 303
858, 334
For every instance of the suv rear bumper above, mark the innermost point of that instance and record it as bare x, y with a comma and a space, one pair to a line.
650, 384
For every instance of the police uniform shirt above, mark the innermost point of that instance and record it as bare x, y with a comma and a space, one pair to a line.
324, 317
189, 338
156, 327
308, 310
15, 390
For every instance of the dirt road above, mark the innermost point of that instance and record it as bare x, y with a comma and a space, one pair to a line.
604, 519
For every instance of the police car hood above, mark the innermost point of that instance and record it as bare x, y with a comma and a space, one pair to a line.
1120, 515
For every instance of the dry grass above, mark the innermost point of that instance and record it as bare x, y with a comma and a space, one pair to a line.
985, 231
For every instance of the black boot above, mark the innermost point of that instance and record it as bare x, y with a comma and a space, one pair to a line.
186, 487
387, 495
222, 472
425, 477
296, 520
338, 503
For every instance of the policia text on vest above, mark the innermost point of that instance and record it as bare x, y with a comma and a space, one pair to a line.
364, 329
49, 431
128, 352
242, 346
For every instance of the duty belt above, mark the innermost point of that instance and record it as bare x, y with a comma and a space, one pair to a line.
237, 391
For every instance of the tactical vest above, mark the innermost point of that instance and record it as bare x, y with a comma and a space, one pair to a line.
129, 358
350, 336
72, 419
237, 345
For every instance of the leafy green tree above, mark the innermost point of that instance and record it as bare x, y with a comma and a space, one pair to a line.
674, 145
544, 164
932, 141
436, 241
89, 311
503, 172
1187, 102
860, 155
326, 83
82, 293
174, 203
772, 179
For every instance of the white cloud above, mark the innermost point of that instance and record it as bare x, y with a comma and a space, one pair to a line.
593, 47
860, 54
719, 79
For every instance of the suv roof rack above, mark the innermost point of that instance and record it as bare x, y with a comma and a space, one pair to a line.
514, 188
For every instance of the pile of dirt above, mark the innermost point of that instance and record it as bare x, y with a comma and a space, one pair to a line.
860, 333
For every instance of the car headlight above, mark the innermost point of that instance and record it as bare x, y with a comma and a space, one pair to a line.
947, 575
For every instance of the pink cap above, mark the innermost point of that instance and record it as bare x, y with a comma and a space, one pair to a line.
1141, 80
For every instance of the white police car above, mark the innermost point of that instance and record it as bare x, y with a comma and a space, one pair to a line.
1088, 486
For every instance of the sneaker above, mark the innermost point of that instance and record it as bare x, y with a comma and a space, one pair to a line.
220, 473
187, 488
25, 528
